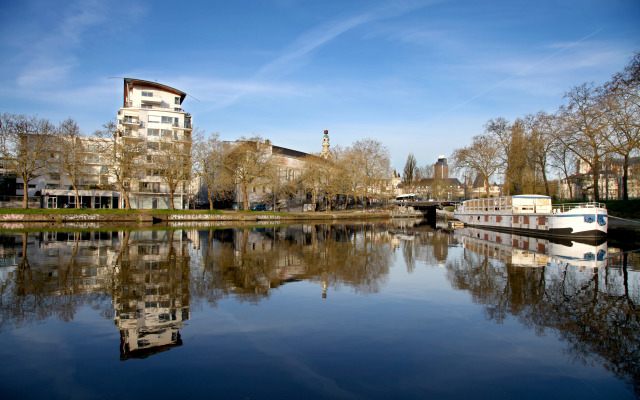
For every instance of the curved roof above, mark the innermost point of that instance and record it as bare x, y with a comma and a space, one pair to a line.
141, 82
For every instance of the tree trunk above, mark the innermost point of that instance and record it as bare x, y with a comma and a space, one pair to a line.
171, 191
566, 177
127, 202
245, 199
546, 182
210, 197
315, 197
625, 177
596, 179
75, 189
25, 196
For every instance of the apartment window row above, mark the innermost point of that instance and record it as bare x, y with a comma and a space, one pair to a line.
158, 132
147, 94
153, 119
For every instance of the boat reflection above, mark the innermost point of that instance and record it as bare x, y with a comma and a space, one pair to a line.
147, 281
527, 251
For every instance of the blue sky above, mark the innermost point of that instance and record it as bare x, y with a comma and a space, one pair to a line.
422, 77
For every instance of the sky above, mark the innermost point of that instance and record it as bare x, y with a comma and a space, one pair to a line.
420, 76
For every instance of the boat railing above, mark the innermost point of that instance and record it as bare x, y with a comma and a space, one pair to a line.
570, 206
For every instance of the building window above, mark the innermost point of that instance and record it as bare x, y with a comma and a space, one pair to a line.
170, 120
152, 145
147, 106
153, 132
166, 132
177, 100
147, 94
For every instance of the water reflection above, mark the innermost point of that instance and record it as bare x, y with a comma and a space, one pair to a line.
569, 292
151, 291
148, 282
140, 279
248, 263
529, 251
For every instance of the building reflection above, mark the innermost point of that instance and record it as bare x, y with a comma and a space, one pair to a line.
151, 291
147, 280
138, 278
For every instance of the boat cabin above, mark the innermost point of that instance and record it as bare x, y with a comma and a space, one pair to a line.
524, 204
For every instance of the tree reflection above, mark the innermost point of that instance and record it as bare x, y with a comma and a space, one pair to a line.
149, 280
589, 308
248, 263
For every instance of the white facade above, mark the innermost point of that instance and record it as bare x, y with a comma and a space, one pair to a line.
153, 112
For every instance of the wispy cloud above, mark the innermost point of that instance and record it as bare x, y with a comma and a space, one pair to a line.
298, 53
50, 59
219, 93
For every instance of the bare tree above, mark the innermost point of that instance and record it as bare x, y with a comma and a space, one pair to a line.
585, 129
541, 141
172, 161
563, 160
482, 157
70, 152
369, 165
623, 113
510, 136
208, 163
410, 173
125, 155
424, 172
313, 175
26, 147
247, 161
282, 183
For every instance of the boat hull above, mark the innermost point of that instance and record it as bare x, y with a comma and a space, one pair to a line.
583, 221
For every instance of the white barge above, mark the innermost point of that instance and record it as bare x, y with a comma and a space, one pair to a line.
534, 214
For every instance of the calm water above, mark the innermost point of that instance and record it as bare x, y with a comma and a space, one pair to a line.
358, 311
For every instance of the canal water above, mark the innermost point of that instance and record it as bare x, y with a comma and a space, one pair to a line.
383, 310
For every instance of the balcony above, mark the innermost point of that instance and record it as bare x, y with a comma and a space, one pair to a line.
150, 100
186, 126
131, 122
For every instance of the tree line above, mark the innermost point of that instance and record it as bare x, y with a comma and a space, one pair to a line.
596, 124
360, 170
32, 147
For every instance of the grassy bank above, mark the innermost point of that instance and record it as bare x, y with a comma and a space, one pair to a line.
101, 211
629, 209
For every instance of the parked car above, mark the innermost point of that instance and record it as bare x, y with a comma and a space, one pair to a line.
259, 207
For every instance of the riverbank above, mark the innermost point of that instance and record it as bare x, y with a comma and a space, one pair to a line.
22, 219
12, 219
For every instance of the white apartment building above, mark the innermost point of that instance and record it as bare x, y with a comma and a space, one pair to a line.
152, 112
152, 115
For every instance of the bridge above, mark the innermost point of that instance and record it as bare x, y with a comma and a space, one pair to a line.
428, 208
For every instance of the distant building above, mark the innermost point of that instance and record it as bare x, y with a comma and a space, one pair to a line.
610, 183
441, 169
325, 145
